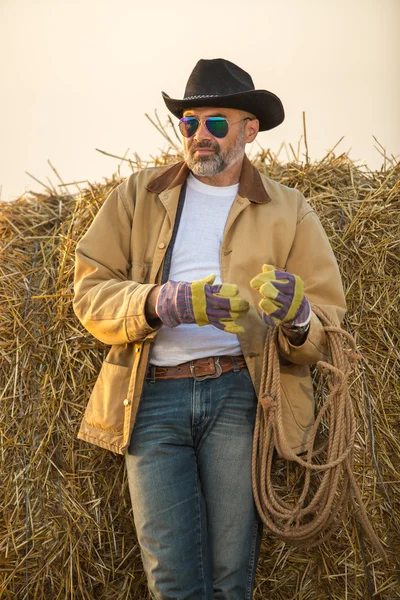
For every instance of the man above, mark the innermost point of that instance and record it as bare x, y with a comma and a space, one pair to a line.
183, 271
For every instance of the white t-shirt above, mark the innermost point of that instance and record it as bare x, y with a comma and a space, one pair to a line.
196, 254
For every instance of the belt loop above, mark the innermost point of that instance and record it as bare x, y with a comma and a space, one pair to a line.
152, 373
235, 363
191, 367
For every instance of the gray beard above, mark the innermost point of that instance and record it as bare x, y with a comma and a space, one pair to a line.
216, 162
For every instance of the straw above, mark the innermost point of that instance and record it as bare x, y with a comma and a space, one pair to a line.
66, 524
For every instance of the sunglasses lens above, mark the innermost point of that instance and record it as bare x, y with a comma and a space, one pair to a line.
217, 126
188, 126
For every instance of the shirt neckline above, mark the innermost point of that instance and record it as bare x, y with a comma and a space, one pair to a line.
211, 190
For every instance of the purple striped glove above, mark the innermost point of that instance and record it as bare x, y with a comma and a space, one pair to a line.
202, 303
283, 300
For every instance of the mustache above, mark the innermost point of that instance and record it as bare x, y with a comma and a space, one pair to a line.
205, 144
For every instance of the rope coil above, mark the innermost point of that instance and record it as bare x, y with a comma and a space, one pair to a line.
329, 484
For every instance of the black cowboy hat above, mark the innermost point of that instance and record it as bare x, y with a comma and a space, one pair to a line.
219, 82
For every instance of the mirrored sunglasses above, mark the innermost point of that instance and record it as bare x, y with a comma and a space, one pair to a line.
217, 126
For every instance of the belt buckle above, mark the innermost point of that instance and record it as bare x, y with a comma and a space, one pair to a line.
218, 370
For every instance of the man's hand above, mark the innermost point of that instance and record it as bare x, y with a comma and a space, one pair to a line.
202, 303
283, 300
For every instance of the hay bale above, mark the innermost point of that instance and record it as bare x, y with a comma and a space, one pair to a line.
66, 520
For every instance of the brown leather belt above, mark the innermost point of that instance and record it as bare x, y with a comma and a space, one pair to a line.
200, 369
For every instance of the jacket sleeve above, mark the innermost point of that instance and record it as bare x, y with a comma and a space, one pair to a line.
106, 301
312, 258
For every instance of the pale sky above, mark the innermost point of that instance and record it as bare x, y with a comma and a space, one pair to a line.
81, 74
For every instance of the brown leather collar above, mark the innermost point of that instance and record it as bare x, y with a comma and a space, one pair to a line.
250, 184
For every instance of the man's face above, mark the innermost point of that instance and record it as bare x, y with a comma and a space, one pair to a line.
207, 155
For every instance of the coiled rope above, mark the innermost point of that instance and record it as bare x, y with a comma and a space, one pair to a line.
329, 484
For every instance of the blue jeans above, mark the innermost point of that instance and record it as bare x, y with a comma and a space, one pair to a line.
189, 474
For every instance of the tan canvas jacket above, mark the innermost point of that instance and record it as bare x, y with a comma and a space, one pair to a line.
119, 260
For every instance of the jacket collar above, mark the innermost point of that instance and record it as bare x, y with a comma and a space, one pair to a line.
250, 183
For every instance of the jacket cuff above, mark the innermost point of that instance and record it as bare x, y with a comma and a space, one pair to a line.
313, 349
137, 326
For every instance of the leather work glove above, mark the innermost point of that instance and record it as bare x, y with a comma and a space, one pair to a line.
283, 300
202, 303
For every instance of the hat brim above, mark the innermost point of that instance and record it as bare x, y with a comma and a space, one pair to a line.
263, 104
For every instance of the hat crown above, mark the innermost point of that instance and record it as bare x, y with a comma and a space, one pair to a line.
217, 77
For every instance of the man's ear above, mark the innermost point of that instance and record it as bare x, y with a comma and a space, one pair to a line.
251, 130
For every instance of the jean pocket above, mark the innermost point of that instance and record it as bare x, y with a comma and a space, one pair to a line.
244, 371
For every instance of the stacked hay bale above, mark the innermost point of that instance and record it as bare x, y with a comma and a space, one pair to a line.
66, 526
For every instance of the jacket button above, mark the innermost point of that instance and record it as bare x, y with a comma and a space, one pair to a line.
137, 349
161, 245
127, 402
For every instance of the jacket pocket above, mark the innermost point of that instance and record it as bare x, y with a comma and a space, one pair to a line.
105, 409
297, 396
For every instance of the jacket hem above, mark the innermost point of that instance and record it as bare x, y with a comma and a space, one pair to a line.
97, 442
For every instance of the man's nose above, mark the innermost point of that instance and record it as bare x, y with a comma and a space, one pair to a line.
202, 132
